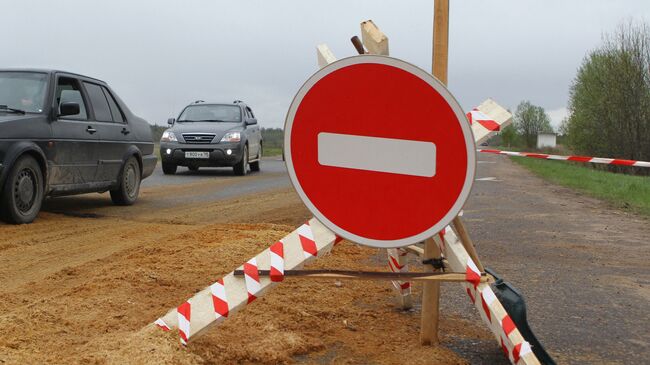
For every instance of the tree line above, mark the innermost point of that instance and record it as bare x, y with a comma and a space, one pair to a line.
609, 102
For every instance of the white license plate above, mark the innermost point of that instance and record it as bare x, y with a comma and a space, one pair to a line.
197, 154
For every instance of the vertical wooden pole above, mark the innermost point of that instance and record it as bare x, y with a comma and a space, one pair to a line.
441, 39
431, 291
430, 299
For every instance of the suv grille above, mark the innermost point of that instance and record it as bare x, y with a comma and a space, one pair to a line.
198, 138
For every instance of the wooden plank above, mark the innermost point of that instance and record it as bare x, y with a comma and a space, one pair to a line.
461, 232
324, 55
484, 299
203, 312
495, 112
416, 250
326, 274
375, 41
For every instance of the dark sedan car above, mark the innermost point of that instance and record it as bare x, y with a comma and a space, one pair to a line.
63, 134
212, 135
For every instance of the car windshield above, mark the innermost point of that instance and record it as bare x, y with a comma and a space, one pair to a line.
211, 113
23, 91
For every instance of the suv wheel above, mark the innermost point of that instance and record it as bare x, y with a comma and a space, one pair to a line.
241, 167
22, 195
129, 184
255, 166
169, 168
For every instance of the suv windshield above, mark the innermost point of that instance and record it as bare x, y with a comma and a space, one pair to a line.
23, 91
211, 113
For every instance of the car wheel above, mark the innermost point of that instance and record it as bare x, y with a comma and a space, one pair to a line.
241, 167
169, 168
255, 166
22, 194
193, 168
129, 183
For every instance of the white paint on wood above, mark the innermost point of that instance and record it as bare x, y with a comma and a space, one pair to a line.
498, 113
324, 55
203, 314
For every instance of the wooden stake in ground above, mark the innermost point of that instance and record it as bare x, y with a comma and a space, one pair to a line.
431, 291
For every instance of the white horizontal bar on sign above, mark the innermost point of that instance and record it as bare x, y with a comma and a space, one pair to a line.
395, 156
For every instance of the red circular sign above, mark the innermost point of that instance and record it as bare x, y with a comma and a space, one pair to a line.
379, 151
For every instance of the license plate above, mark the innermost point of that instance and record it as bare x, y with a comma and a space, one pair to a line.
194, 154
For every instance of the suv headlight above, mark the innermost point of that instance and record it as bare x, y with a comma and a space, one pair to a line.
168, 136
231, 137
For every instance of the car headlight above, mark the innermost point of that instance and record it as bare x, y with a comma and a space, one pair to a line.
231, 137
168, 136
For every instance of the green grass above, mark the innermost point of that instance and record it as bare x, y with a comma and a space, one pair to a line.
272, 151
624, 191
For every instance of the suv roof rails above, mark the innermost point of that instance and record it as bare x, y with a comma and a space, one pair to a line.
199, 101
237, 102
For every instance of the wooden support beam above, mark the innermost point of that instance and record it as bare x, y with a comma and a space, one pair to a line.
441, 39
416, 250
375, 41
462, 234
369, 275
430, 299
325, 55
431, 292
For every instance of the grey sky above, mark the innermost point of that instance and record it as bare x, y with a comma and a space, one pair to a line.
161, 55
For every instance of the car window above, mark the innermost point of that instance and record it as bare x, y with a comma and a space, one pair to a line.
69, 91
211, 113
99, 103
250, 112
23, 90
115, 109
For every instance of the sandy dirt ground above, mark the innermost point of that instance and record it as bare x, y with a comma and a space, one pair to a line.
81, 284
81, 290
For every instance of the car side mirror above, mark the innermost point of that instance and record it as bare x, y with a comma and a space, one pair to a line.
171, 121
251, 121
69, 108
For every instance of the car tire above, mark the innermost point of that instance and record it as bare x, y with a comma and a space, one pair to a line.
193, 168
241, 168
129, 183
255, 166
22, 196
169, 168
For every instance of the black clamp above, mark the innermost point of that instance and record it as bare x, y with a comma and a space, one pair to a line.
437, 263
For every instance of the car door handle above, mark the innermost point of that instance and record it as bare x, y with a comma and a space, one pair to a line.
125, 131
91, 130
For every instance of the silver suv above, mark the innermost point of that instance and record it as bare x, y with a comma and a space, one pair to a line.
212, 135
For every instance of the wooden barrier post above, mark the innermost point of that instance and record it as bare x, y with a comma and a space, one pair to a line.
431, 292
376, 42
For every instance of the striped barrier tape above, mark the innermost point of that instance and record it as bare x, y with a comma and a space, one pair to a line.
543, 156
232, 293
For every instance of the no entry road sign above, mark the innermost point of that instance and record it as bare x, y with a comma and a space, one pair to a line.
379, 151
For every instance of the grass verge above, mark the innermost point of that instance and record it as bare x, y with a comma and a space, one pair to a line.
624, 191
272, 151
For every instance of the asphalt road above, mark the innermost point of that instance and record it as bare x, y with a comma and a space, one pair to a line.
270, 165
581, 264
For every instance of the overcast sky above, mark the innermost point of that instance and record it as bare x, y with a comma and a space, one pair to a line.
160, 55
